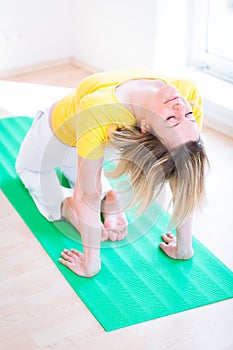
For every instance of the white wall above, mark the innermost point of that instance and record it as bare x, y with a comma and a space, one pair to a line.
34, 31
115, 33
106, 34
172, 34
150, 33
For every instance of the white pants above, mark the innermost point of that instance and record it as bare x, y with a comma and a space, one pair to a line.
39, 155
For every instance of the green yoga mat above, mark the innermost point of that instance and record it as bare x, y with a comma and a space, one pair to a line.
137, 282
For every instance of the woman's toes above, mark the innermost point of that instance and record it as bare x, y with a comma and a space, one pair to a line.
112, 236
104, 234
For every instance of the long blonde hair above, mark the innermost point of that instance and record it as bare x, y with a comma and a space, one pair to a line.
151, 165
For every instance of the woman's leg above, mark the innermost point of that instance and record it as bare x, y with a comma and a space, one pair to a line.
40, 153
46, 192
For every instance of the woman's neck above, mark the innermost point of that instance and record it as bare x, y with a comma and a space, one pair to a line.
137, 95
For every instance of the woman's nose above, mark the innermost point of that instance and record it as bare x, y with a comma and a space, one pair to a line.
179, 108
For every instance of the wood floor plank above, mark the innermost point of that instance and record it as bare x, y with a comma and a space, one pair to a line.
68, 76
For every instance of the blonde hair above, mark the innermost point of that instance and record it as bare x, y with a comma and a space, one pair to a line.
150, 164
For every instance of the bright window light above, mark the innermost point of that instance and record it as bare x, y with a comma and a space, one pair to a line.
213, 33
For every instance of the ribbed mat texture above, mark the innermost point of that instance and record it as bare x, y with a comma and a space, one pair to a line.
137, 282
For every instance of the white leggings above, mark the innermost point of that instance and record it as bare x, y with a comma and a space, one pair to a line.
39, 155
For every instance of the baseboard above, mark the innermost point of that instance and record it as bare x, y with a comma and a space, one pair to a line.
35, 67
82, 65
47, 65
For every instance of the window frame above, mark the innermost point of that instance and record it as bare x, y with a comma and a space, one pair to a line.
199, 56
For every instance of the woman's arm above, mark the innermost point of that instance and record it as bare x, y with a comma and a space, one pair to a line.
179, 247
86, 205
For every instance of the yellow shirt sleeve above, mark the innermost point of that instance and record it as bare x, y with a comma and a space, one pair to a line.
197, 106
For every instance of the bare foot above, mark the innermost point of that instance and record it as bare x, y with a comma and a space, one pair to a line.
115, 221
69, 214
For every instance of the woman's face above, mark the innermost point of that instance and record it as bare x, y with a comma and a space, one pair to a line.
172, 118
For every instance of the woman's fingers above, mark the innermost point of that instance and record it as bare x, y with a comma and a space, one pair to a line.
67, 256
65, 262
163, 246
167, 238
76, 252
70, 256
170, 235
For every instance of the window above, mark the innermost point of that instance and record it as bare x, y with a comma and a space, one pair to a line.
213, 35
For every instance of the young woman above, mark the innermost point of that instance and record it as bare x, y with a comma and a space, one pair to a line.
153, 121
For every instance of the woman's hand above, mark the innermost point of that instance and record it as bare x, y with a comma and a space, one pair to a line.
170, 247
75, 261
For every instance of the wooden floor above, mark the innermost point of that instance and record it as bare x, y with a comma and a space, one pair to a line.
66, 75
39, 309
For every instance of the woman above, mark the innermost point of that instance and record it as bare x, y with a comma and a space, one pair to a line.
155, 124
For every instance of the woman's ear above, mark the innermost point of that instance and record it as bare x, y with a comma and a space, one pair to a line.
144, 127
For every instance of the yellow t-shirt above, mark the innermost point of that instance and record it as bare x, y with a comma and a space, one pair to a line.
82, 119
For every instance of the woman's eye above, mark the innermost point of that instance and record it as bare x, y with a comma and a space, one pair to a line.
189, 114
171, 117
